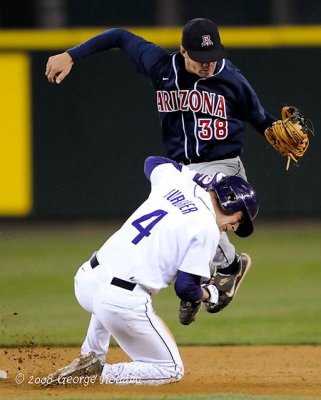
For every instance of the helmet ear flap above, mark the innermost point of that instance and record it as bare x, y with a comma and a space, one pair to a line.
231, 197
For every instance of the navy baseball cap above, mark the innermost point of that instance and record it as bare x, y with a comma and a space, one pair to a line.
201, 40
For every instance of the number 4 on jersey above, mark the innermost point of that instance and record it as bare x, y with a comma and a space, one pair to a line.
156, 215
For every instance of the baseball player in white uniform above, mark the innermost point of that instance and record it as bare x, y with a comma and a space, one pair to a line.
172, 236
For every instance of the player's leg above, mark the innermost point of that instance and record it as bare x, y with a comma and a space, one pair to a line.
87, 280
97, 339
225, 254
228, 266
142, 335
91, 358
93, 351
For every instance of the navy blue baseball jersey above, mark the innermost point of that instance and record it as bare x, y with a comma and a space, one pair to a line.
202, 119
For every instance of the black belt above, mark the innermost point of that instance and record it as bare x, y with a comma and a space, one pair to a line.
209, 159
115, 281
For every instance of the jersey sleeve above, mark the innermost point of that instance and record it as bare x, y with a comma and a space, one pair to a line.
145, 55
163, 173
153, 162
200, 253
252, 109
188, 286
268, 121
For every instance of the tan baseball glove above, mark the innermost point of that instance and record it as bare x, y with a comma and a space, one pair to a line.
289, 136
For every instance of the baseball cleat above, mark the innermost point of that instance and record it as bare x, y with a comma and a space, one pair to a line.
228, 285
83, 366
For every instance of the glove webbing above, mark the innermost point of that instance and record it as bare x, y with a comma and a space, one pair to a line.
288, 133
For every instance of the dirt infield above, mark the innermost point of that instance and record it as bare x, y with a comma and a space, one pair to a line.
256, 370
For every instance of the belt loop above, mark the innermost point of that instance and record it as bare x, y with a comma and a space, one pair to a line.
94, 261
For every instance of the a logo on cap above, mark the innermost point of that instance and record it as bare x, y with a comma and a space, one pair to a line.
207, 40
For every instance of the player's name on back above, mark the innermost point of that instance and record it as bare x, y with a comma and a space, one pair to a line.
177, 199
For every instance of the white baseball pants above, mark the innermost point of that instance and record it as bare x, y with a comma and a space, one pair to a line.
129, 317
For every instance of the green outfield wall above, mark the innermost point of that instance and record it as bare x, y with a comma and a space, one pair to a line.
77, 149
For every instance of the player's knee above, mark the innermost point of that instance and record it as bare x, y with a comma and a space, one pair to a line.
175, 371
180, 372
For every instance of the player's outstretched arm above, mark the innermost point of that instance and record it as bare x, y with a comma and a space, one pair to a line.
58, 67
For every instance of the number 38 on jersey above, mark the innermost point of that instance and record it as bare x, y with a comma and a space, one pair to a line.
207, 128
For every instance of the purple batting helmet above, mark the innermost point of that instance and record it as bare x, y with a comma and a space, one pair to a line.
235, 194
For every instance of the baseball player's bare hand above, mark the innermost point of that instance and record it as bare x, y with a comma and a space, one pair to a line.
58, 67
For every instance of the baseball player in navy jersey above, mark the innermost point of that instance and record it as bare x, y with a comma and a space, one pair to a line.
203, 101
172, 236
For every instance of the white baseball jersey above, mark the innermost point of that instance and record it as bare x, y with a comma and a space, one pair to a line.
175, 228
